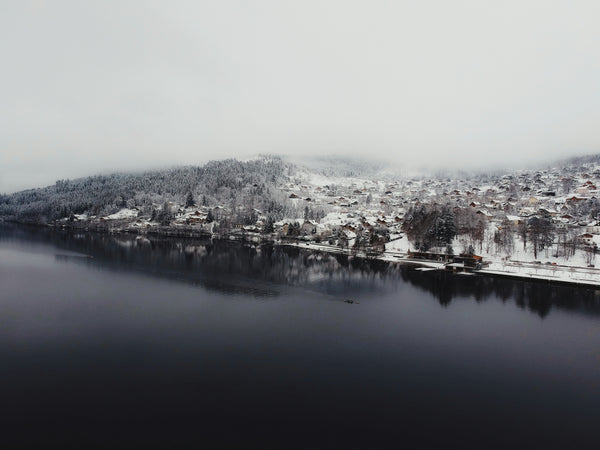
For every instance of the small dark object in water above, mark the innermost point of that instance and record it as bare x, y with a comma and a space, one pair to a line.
350, 301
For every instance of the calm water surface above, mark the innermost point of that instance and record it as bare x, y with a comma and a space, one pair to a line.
118, 342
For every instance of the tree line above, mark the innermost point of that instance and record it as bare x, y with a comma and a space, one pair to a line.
435, 226
242, 186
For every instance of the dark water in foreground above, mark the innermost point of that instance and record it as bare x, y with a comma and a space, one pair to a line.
172, 343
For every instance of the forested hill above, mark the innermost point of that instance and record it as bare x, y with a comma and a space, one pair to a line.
226, 182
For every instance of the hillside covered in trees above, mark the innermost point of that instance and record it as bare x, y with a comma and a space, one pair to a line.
240, 186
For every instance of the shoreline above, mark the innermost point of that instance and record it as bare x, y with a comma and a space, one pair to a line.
399, 258
588, 284
560, 275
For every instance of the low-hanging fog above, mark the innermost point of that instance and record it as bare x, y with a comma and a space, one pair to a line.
91, 87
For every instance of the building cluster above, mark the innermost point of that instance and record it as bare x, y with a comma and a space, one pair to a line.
355, 213
567, 198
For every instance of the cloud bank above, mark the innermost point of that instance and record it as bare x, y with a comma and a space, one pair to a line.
92, 87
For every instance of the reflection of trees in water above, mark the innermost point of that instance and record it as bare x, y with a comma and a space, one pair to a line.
251, 269
534, 296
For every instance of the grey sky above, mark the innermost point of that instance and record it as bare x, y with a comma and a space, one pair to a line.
90, 87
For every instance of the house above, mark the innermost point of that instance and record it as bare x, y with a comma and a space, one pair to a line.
485, 213
574, 200
526, 212
587, 187
195, 220
309, 227
548, 212
593, 228
515, 220
586, 238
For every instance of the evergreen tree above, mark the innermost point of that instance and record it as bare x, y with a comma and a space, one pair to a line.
189, 200
268, 227
293, 229
164, 216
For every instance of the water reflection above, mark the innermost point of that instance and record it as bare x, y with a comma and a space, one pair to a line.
530, 295
128, 359
261, 270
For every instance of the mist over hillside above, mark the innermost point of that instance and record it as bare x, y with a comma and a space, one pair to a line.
264, 186
226, 182
347, 167
575, 161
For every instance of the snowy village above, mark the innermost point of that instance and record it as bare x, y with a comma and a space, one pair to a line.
540, 224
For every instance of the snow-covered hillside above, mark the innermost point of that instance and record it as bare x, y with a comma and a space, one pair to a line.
549, 215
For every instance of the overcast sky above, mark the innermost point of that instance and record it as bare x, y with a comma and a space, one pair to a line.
88, 87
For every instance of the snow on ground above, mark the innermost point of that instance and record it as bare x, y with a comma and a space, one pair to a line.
579, 275
522, 264
335, 219
525, 270
401, 245
527, 255
316, 180
124, 213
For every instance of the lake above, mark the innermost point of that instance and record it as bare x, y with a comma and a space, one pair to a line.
113, 341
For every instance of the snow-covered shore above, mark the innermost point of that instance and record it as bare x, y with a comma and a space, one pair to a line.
545, 272
524, 270
521, 266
